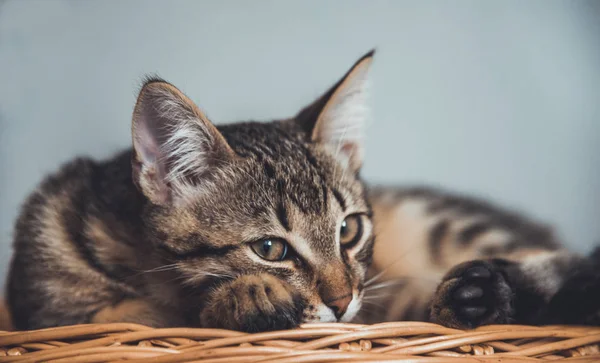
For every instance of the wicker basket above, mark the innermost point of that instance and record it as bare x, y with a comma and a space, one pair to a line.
399, 341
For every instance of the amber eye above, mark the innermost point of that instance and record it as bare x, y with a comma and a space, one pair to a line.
351, 230
271, 249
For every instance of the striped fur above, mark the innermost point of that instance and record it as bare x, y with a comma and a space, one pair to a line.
165, 233
430, 241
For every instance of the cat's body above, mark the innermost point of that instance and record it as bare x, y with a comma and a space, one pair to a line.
261, 226
425, 235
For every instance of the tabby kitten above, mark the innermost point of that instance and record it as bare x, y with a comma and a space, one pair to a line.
261, 226
251, 226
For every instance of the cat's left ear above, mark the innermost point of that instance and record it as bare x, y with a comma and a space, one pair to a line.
338, 118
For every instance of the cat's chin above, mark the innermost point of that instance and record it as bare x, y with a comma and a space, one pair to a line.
323, 314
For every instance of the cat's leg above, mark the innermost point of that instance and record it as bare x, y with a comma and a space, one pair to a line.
253, 303
40, 295
577, 302
137, 311
550, 287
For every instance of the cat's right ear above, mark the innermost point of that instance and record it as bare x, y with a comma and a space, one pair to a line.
174, 143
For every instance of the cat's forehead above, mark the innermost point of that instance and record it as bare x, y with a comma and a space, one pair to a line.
264, 139
285, 179
280, 158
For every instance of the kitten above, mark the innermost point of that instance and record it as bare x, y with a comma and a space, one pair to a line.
262, 226
251, 226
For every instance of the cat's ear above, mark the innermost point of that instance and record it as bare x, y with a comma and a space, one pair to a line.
174, 143
338, 118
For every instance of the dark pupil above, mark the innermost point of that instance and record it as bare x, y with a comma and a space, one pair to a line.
344, 228
267, 246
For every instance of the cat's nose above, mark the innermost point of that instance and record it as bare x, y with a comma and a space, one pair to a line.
339, 305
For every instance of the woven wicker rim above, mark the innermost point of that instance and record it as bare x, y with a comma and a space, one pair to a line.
397, 341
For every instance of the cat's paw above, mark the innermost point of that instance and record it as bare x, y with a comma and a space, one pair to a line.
473, 293
253, 303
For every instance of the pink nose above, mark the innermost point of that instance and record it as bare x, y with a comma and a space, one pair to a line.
339, 305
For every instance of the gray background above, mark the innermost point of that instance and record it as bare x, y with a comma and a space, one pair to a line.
499, 99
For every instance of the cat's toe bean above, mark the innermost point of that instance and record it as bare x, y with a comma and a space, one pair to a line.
478, 272
473, 312
469, 292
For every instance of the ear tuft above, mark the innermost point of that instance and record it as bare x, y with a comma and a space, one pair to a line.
174, 142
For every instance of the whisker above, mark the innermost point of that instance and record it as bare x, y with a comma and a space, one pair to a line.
374, 278
400, 258
377, 296
385, 284
194, 278
159, 268
163, 268
373, 303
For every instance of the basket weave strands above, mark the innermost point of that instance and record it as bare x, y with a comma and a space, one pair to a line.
398, 341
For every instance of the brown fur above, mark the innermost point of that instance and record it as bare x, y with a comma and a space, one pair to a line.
230, 304
429, 243
139, 311
5, 319
162, 234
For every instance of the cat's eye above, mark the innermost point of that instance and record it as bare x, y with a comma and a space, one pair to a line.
271, 249
351, 230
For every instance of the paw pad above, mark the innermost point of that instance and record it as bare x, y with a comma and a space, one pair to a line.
472, 294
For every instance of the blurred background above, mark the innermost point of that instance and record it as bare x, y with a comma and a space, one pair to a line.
498, 99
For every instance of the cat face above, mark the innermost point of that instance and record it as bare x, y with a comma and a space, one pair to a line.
281, 198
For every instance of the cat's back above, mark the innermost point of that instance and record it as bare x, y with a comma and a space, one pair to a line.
427, 229
47, 210
62, 227
79, 188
